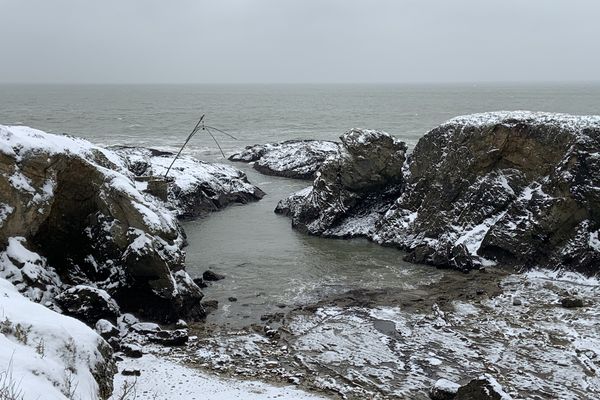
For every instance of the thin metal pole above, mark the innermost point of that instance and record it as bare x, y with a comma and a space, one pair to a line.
196, 128
215, 139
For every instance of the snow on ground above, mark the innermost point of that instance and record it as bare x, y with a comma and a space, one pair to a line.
44, 354
164, 379
534, 347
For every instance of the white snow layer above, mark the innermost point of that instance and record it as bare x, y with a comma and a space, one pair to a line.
564, 121
165, 379
21, 142
44, 354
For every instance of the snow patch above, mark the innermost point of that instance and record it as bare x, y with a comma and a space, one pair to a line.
46, 354
158, 376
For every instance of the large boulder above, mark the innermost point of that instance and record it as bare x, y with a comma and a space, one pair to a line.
484, 387
366, 173
88, 304
71, 214
298, 159
193, 187
516, 188
519, 188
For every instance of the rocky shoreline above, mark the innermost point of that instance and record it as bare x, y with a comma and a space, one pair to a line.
93, 233
506, 188
388, 344
83, 235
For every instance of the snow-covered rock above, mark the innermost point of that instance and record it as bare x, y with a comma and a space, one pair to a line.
45, 355
396, 343
299, 159
194, 187
443, 389
519, 188
72, 213
484, 387
515, 187
88, 304
369, 162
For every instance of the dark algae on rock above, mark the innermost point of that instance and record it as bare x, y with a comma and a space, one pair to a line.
512, 188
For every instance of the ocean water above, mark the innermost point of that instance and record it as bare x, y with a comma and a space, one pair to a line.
267, 264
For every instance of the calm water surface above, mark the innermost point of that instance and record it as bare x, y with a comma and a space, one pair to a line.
265, 261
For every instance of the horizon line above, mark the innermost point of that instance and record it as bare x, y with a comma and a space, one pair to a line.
499, 82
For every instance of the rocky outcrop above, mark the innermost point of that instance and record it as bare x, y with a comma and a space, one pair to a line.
72, 215
485, 387
193, 187
366, 173
88, 304
516, 188
299, 159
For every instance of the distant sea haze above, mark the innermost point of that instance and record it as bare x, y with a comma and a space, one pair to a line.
162, 115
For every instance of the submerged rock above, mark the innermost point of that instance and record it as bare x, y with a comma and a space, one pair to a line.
193, 187
299, 159
71, 214
211, 276
519, 188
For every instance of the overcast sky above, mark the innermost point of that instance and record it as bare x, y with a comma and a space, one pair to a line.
251, 41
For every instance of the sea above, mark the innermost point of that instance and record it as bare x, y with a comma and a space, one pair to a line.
268, 266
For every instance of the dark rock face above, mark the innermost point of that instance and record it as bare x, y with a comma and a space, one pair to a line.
483, 388
443, 389
572, 302
88, 304
516, 188
193, 188
367, 172
299, 159
73, 216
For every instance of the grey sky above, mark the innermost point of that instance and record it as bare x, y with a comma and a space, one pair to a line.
232, 41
